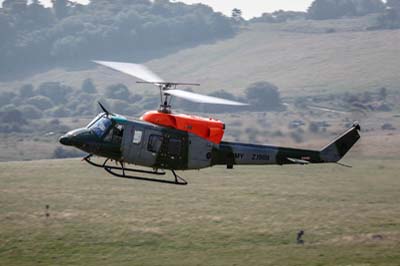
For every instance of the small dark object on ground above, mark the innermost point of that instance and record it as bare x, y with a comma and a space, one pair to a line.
299, 236
47, 211
377, 237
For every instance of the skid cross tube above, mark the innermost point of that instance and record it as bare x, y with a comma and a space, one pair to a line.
111, 170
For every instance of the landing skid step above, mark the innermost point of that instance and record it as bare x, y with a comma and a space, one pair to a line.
111, 170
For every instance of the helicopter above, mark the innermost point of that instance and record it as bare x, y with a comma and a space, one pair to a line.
163, 140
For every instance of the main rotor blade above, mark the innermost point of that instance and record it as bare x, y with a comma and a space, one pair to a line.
138, 71
199, 98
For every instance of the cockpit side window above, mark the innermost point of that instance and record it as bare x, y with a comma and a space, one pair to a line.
101, 126
115, 134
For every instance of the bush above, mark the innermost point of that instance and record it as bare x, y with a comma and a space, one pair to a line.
12, 116
118, 91
26, 91
151, 102
8, 107
390, 19
6, 97
10, 128
135, 98
263, 96
388, 126
54, 91
30, 112
85, 109
297, 136
120, 107
334, 9
88, 86
59, 111
133, 110
313, 127
41, 102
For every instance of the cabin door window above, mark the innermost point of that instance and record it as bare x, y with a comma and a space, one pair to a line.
155, 142
174, 147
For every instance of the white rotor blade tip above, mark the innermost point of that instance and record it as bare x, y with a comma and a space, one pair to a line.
199, 98
135, 70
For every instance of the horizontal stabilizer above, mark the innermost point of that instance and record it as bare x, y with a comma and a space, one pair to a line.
298, 161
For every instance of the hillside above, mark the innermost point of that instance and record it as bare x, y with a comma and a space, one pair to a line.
293, 56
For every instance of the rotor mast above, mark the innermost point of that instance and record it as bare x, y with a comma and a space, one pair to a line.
165, 97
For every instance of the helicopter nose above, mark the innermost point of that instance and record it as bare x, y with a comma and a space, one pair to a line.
66, 140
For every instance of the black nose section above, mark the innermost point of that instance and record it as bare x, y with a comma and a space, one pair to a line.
66, 140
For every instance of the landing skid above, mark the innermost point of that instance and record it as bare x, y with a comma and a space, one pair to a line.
111, 170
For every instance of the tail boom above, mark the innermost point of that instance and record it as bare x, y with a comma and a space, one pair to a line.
230, 153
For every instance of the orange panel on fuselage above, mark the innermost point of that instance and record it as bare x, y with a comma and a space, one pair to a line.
210, 129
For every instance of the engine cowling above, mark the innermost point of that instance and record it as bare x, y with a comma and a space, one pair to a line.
207, 128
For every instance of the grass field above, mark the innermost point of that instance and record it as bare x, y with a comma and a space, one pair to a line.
248, 216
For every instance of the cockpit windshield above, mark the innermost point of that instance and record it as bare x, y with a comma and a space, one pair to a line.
94, 120
100, 126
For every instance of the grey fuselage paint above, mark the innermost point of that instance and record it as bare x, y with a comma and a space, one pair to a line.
160, 147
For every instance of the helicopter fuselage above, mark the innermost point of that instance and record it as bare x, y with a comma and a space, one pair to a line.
160, 147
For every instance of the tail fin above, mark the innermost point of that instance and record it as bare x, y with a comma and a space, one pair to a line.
335, 151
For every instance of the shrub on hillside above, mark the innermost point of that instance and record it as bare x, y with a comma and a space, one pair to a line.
12, 116
85, 108
263, 96
54, 91
26, 91
59, 111
41, 102
118, 91
8, 107
313, 127
135, 98
119, 107
390, 19
6, 97
334, 9
280, 16
124, 108
88, 86
297, 136
150, 102
30, 112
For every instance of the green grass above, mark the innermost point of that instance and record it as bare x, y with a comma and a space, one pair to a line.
248, 216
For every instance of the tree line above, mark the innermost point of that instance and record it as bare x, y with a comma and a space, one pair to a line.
389, 12
32, 35
51, 100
